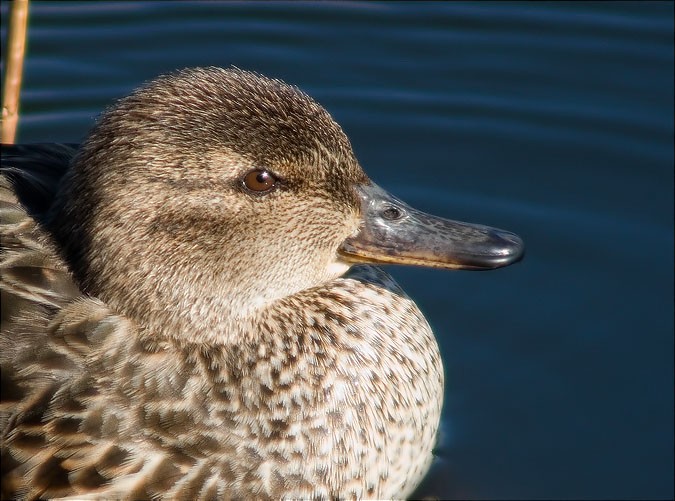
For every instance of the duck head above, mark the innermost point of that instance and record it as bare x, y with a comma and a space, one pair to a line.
210, 193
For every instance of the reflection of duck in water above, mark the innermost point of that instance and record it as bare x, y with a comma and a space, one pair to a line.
216, 348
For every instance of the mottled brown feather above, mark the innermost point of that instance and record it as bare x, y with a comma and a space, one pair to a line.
167, 335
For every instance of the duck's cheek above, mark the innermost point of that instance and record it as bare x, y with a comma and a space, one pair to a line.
337, 268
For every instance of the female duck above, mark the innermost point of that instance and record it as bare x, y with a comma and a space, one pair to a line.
180, 324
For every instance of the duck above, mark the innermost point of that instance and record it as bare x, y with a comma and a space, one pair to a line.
194, 306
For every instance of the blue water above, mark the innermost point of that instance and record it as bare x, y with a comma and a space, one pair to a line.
553, 120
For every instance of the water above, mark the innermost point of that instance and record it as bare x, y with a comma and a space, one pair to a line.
553, 120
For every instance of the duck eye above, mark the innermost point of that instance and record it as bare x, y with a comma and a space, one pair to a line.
259, 181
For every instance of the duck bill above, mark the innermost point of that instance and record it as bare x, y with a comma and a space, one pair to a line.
395, 233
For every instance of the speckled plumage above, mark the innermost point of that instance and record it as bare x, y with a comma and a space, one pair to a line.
169, 334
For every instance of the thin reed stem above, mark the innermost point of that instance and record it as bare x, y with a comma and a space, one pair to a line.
16, 49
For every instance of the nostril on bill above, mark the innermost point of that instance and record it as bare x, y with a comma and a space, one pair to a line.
391, 213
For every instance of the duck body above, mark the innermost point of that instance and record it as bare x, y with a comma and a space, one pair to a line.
333, 392
188, 315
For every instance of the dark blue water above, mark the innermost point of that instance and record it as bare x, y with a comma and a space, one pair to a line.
553, 120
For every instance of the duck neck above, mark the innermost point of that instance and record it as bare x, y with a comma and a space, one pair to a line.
215, 309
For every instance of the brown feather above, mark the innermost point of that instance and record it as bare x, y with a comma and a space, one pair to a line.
167, 335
